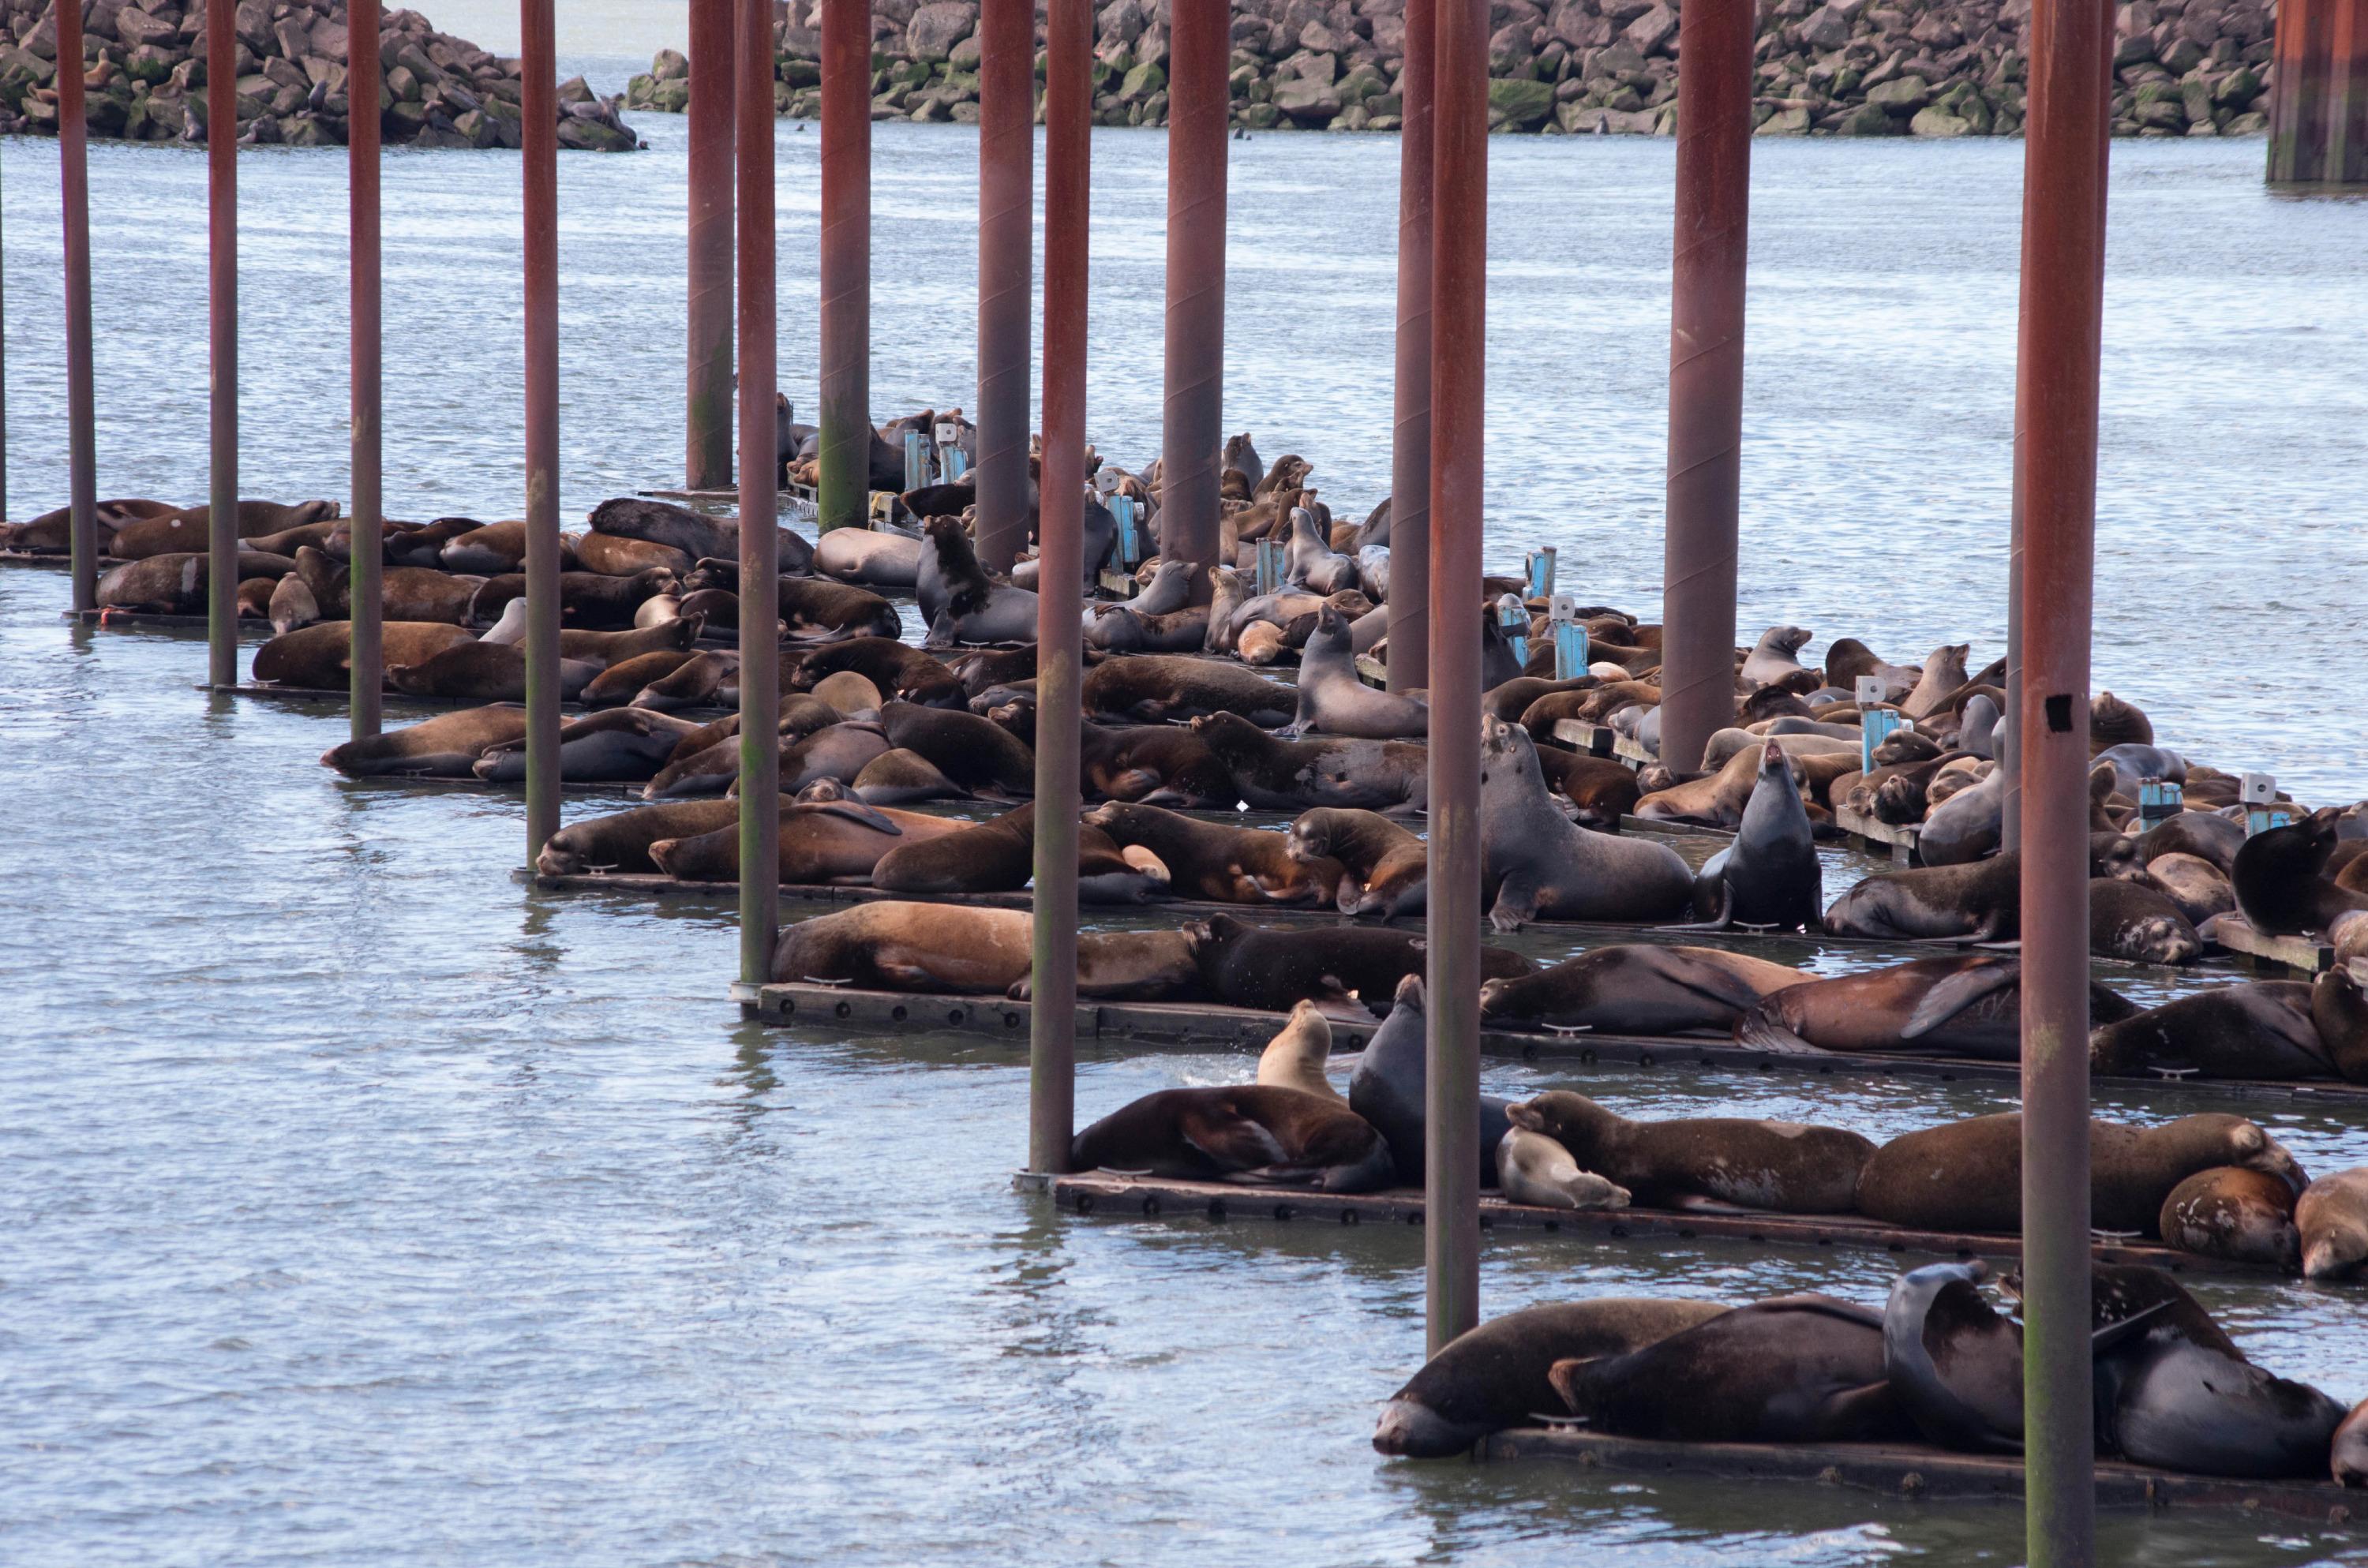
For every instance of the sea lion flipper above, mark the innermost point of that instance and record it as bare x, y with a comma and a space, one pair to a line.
856, 812
1868, 1408
1954, 995
1235, 1142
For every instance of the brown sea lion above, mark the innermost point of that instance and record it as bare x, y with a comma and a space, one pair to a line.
317, 657
902, 673
1715, 801
1272, 774
622, 680
2200, 889
488, 551
1274, 970
1981, 901
2138, 922
1966, 1005
1640, 988
484, 672
899, 946
1240, 1133
607, 648
897, 776
1296, 1057
2114, 723
708, 677
587, 600
615, 744
2332, 1217
1218, 862
822, 843
1780, 1166
620, 841
976, 753
445, 746
188, 530
175, 585
613, 556
1154, 688
2231, 1212
1385, 869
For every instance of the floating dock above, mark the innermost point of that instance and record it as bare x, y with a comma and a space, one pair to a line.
1917, 1474
2304, 956
1881, 837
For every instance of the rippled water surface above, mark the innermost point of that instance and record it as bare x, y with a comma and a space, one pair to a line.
360, 1207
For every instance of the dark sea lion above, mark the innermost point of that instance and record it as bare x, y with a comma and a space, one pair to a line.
1770, 876
1602, 788
2198, 886
445, 746
1513, 699
1217, 861
977, 754
620, 841
2204, 834
904, 673
840, 752
693, 534
2332, 1217
488, 551
2138, 922
1386, 868
960, 600
1967, 1175
2339, 1013
2278, 877
999, 857
1778, 1166
1275, 969
1966, 827
1968, 1004
2114, 723
719, 608
614, 744
1244, 1132
982, 668
2255, 1029
1954, 1365
707, 770
1393, 777
1639, 988
1334, 701
1538, 865
1494, 1377
1387, 1088
706, 678
822, 842
897, 776
586, 599
1793, 1369
1154, 688
1128, 631
484, 672
317, 657
613, 555
2246, 1216
1982, 901
898, 946
624, 681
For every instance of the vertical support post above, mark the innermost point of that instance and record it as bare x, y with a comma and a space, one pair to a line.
845, 499
1459, 313
1007, 201
1192, 437
2010, 748
1060, 653
1705, 380
539, 106
82, 442
221, 332
706, 395
3, 385
760, 566
366, 603
2319, 95
1409, 606
2057, 358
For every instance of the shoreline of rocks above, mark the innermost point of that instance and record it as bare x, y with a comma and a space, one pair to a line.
144, 79
1945, 68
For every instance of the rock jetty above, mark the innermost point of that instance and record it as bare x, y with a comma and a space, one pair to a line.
144, 66
1840, 68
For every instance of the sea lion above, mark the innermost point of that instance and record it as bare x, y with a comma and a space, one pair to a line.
1156, 689
624, 681
1717, 800
840, 752
1773, 658
2138, 922
695, 534
1270, 774
1778, 1166
2332, 1219
1603, 790
2246, 1216
2339, 1013
620, 841
1982, 902
613, 555
1794, 1369
1770, 876
487, 551
822, 842
1967, 1004
291, 604
977, 754
874, 557
705, 769
1334, 701
1126, 632
903, 673
1538, 865
1639, 988
1385, 869
2255, 1030
318, 657
850, 693
1945, 672
188, 530
2349, 1457
711, 676
1494, 1376
1215, 861
959, 600
1533, 1168
1274, 969
1295, 1057
607, 648
1238, 1132
1156, 764
1170, 588
2278, 878
810, 609
898, 946
1966, 827
2193, 884
445, 746
612, 745
1967, 1175
586, 599
175, 583
2114, 723
484, 673
1387, 1088
2204, 834
1954, 1365
982, 669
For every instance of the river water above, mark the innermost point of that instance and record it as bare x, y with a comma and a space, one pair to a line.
360, 1207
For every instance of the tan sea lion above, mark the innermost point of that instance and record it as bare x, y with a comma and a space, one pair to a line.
2332, 1217
317, 657
445, 746
1296, 1058
1533, 1168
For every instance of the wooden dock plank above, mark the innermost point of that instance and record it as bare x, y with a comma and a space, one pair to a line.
2304, 955
1881, 837
1589, 740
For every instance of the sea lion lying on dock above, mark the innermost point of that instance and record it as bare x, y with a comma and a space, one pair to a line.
1249, 1133
1774, 1166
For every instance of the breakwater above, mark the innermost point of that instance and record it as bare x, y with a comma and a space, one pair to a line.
144, 67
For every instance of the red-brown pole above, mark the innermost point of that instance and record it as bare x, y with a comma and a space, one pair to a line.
845, 491
1007, 201
538, 58
2056, 359
73, 182
1191, 437
369, 551
221, 331
1459, 312
760, 571
2318, 97
707, 399
1705, 379
1068, 207
1409, 651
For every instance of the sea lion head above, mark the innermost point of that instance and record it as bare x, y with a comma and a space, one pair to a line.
2118, 855
2348, 1460
1786, 640
1410, 994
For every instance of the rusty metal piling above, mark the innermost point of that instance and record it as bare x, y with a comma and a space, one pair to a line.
74, 182
1052, 1045
1459, 322
537, 55
760, 648
844, 496
2056, 393
2319, 95
1007, 199
1706, 311
368, 553
1191, 437
221, 332
1409, 605
706, 395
